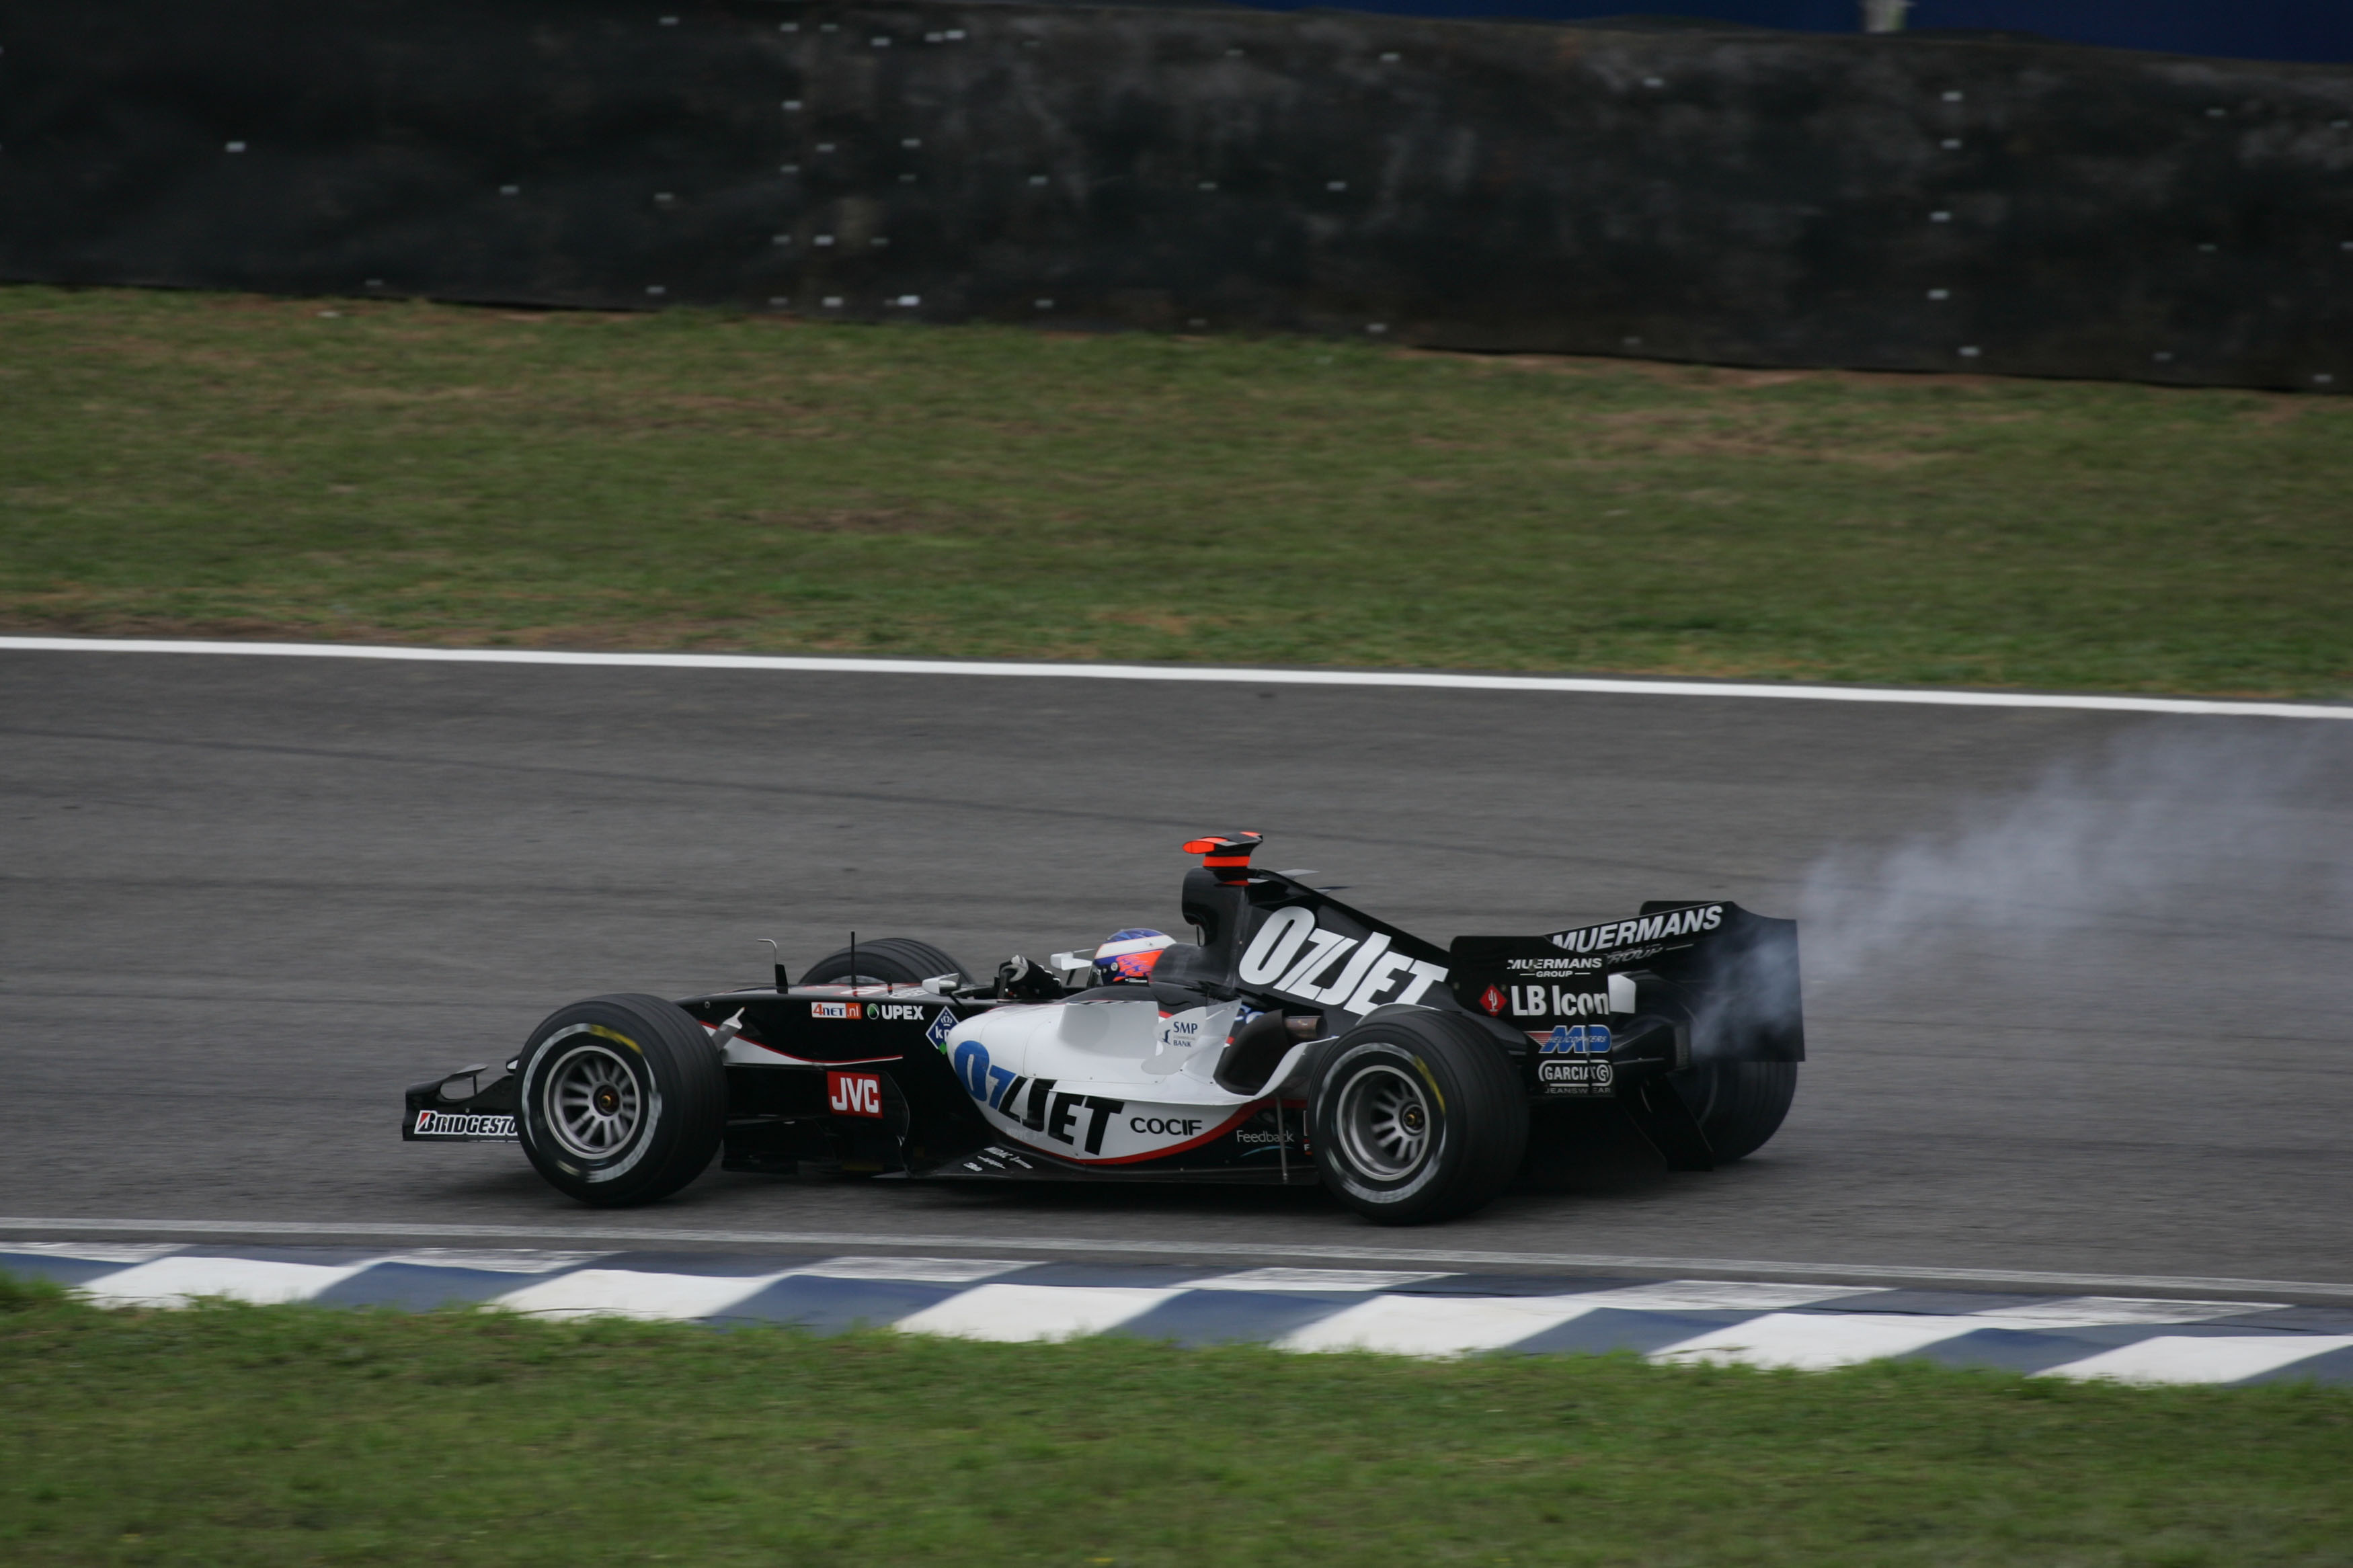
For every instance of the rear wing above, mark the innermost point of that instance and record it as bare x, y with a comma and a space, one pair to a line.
1725, 979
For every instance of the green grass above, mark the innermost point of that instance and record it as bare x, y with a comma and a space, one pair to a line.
266, 1435
216, 465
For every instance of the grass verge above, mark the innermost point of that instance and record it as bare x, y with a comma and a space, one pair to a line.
193, 464
263, 1435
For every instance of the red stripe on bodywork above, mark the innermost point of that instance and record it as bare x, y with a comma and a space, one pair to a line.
808, 1061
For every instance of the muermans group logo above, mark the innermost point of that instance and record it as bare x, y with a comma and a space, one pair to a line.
1551, 965
463, 1124
1649, 928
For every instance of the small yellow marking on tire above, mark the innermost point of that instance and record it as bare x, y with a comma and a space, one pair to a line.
612, 1035
1423, 1067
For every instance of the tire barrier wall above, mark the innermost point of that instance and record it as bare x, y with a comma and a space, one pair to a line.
1735, 197
2250, 29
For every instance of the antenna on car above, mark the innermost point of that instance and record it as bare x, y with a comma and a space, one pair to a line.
777, 958
853, 963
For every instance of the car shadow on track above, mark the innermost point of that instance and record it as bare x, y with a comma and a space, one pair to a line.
1588, 1150
1575, 1151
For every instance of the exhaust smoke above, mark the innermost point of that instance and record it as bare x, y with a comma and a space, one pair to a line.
2236, 832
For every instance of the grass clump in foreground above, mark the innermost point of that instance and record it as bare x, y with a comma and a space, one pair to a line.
256, 1436
194, 464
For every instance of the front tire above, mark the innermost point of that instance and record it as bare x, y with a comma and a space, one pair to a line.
622, 1100
1417, 1117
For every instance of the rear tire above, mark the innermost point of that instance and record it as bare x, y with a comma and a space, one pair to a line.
621, 1100
1739, 1105
892, 961
1417, 1117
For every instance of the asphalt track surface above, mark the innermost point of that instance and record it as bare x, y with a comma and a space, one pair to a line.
2093, 1028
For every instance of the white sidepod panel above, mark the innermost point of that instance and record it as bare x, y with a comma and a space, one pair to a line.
1099, 1082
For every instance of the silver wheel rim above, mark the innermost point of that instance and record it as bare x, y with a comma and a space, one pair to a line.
591, 1101
1385, 1122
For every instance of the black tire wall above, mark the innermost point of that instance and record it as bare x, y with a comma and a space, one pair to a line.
1738, 197
1739, 1104
890, 960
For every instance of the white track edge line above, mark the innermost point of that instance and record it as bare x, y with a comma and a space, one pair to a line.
2205, 707
1270, 1250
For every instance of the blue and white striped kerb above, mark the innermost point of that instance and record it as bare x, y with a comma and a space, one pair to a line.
1753, 1323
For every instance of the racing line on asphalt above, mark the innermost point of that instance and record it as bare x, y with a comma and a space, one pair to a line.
1401, 680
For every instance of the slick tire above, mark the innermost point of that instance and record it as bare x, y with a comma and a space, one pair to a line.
622, 1101
1416, 1117
892, 961
1739, 1105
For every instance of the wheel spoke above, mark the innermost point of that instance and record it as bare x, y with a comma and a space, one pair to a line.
592, 1102
1384, 1121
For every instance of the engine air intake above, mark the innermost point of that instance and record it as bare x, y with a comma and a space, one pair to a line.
1226, 858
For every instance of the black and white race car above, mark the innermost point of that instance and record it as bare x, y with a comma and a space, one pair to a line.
1298, 1040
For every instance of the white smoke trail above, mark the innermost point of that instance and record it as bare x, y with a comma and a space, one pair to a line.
2168, 833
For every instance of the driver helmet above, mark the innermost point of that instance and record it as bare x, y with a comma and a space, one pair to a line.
1130, 954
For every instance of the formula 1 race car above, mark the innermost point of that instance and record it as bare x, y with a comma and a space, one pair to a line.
1298, 1040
